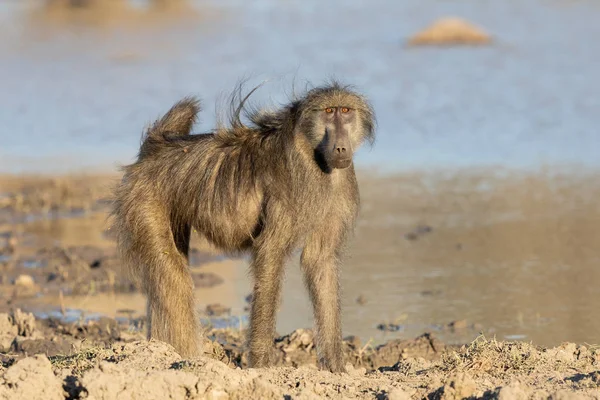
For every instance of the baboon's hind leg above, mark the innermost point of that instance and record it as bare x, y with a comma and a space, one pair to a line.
168, 284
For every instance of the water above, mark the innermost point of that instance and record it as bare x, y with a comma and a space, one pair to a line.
517, 256
75, 96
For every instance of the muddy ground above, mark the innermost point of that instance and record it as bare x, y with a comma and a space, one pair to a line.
61, 352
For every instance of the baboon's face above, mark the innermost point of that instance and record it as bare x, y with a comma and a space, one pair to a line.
337, 128
336, 121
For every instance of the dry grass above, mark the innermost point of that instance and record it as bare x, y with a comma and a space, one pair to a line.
84, 360
484, 356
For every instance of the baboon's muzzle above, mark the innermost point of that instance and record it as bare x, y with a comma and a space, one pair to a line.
341, 163
341, 153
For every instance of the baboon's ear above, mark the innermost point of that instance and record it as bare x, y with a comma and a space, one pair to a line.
369, 130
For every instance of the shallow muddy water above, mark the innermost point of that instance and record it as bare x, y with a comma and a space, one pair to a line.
513, 253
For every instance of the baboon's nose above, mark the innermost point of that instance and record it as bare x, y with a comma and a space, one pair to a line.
340, 150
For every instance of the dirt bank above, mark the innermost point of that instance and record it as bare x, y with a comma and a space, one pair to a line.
116, 364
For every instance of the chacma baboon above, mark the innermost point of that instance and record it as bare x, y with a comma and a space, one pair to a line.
283, 180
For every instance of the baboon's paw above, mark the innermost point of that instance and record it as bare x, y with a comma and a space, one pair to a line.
334, 366
259, 360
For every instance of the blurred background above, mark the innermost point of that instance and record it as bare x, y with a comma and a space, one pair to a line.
480, 197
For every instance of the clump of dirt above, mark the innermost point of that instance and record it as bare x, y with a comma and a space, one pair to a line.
22, 335
298, 348
31, 378
501, 359
15, 328
425, 346
450, 31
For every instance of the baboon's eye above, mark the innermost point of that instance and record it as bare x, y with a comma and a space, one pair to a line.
329, 110
345, 110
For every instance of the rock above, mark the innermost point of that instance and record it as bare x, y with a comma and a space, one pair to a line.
25, 281
451, 31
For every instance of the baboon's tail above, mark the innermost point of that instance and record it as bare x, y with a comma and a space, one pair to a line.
178, 121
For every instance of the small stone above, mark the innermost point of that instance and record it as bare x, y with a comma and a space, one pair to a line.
25, 281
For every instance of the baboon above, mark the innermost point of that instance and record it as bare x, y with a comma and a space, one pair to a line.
283, 180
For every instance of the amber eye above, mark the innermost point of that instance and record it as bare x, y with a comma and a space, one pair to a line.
329, 110
345, 110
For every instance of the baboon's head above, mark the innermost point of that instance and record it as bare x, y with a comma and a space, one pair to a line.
335, 120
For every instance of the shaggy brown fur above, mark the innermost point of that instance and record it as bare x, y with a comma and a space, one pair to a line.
285, 180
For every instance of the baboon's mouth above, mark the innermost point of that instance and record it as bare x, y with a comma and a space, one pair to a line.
341, 164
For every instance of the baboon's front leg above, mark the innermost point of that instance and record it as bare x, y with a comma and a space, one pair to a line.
267, 267
320, 264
